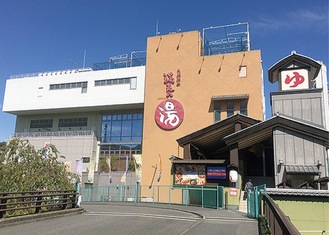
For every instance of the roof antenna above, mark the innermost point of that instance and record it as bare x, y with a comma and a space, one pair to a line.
157, 29
84, 59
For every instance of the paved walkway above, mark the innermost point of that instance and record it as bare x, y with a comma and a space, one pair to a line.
208, 220
134, 218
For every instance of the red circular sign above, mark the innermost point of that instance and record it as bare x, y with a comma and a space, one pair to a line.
169, 114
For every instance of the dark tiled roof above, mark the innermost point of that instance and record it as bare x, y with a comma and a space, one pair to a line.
230, 97
306, 169
297, 192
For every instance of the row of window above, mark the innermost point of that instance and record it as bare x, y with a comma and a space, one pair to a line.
83, 85
68, 85
71, 122
120, 149
63, 122
44, 123
129, 116
230, 108
109, 82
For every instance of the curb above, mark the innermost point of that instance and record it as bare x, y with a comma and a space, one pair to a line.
40, 216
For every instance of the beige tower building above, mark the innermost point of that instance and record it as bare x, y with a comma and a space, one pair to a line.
187, 89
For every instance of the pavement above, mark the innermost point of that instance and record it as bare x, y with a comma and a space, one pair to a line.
133, 218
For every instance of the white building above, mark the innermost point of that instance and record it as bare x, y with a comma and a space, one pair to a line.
85, 113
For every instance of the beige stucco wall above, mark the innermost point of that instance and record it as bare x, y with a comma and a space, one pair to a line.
202, 77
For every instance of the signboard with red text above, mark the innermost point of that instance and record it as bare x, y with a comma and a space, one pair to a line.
294, 79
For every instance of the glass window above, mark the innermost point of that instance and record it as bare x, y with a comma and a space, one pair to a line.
230, 109
71, 122
243, 108
45, 123
137, 128
126, 128
217, 111
123, 131
116, 128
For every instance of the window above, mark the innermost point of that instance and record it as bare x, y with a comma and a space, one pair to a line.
133, 83
243, 71
85, 159
122, 128
44, 123
118, 81
71, 122
230, 109
72, 85
243, 108
217, 112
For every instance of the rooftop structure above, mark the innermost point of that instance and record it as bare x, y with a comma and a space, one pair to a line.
226, 39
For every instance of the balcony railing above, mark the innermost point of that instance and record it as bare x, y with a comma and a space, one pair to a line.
53, 133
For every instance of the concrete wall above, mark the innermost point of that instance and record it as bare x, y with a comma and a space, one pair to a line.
71, 147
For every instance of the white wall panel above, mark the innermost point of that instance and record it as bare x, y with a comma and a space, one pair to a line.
24, 95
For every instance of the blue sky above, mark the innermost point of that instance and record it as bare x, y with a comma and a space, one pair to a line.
45, 35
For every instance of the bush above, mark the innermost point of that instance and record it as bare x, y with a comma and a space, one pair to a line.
22, 168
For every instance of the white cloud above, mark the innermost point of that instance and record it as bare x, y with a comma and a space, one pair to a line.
300, 18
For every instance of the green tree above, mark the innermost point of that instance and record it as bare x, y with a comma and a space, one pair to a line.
103, 166
23, 168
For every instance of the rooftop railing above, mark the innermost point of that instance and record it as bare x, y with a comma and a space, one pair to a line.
50, 73
136, 58
53, 133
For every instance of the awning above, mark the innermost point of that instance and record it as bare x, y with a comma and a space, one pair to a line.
203, 161
231, 97
302, 169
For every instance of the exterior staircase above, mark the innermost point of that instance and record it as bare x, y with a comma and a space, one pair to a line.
243, 203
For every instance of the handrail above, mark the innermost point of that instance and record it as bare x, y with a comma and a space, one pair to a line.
278, 222
47, 199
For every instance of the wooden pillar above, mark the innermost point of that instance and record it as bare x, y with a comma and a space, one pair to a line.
234, 155
187, 152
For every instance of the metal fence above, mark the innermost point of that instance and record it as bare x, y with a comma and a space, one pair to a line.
30, 202
254, 200
210, 197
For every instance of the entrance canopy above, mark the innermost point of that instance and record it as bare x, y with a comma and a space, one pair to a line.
211, 138
264, 130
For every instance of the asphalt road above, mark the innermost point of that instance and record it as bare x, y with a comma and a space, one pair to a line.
145, 219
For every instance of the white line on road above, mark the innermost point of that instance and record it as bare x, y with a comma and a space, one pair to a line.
155, 216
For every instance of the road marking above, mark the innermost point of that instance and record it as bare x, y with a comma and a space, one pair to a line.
230, 219
155, 216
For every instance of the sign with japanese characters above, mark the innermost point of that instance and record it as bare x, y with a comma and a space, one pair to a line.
216, 172
294, 79
169, 114
190, 174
